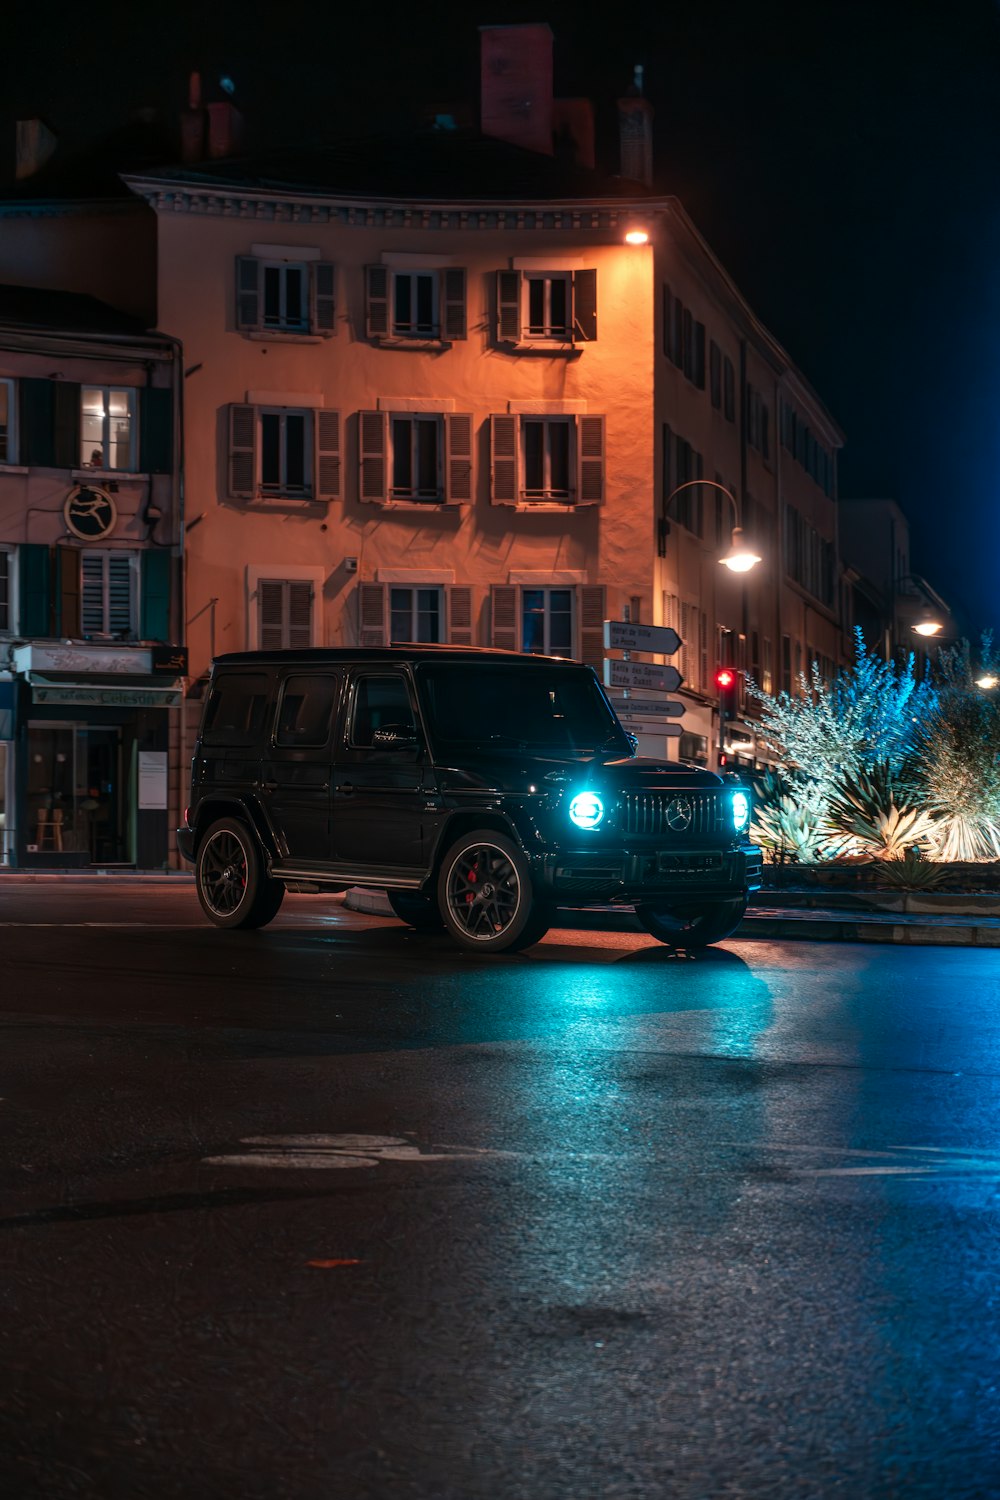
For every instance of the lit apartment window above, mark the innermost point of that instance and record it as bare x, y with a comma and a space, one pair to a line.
107, 427
415, 614
416, 458
547, 622
8, 445
285, 452
109, 594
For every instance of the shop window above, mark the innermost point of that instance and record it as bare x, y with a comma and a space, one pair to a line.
108, 594
76, 801
415, 614
8, 429
107, 428
547, 622
307, 705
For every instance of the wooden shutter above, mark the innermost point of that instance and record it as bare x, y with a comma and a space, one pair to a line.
247, 292
156, 430
327, 456
270, 614
243, 452
592, 612
503, 616
300, 613
585, 305
376, 302
508, 307
67, 592
590, 460
35, 445
34, 564
667, 319
459, 615
453, 320
699, 356
66, 424
503, 460
371, 614
373, 447
154, 594
458, 457
322, 309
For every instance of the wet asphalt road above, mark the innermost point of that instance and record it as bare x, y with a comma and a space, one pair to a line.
333, 1210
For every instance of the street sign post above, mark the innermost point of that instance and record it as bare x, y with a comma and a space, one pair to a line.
661, 640
664, 730
640, 674
669, 708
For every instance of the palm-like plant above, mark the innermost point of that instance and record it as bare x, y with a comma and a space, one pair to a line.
875, 811
786, 819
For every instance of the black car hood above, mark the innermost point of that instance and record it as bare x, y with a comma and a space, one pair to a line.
519, 771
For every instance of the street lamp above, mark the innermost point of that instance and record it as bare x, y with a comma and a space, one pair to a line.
987, 681
739, 556
930, 621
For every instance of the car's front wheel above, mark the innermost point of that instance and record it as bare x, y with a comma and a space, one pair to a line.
692, 926
233, 886
486, 896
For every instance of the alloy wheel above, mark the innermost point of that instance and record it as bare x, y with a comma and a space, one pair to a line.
223, 872
484, 892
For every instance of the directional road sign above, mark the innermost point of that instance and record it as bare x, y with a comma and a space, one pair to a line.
640, 674
670, 708
666, 729
660, 639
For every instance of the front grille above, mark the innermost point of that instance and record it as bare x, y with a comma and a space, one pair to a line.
662, 814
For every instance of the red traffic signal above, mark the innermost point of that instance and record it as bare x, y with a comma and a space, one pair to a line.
725, 678
727, 682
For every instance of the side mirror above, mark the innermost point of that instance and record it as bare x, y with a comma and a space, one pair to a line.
396, 737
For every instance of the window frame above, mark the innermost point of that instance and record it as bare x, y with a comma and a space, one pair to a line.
283, 488
283, 323
414, 589
105, 554
413, 495
414, 329
8, 605
10, 440
133, 434
368, 675
549, 332
548, 494
290, 742
547, 590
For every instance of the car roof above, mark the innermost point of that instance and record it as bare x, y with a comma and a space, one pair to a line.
318, 656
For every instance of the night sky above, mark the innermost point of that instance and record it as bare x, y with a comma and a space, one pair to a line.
840, 158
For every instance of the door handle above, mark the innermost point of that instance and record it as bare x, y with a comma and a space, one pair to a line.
347, 787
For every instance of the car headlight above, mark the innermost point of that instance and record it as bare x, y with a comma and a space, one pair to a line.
741, 811
586, 810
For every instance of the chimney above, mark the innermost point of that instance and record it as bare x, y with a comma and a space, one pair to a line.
34, 144
193, 123
225, 130
516, 70
635, 128
209, 131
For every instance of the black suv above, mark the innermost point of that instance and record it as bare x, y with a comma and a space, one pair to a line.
479, 789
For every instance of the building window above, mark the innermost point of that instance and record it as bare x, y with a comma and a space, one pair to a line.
715, 374
547, 622
809, 558
416, 459
548, 301
767, 668
414, 304
555, 460
556, 307
683, 339
681, 465
415, 614
786, 664
284, 614
107, 428
109, 594
728, 390
546, 458
6, 589
428, 304
286, 295
285, 452
758, 423
8, 430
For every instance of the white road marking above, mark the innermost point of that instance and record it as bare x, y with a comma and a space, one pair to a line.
333, 1152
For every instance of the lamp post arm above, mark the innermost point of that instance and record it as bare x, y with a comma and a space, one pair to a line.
711, 484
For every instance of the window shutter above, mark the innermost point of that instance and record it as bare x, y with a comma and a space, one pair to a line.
376, 302
35, 446
242, 452
323, 309
372, 454
590, 460
453, 302
592, 612
270, 614
300, 612
154, 594
585, 305
156, 430
459, 615
699, 355
66, 424
371, 614
67, 592
120, 589
503, 616
458, 464
34, 562
667, 319
247, 292
327, 466
508, 307
503, 460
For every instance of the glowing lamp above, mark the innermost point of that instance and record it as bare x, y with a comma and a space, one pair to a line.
637, 237
741, 811
987, 681
741, 557
586, 810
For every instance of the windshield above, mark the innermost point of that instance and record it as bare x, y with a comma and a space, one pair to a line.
561, 711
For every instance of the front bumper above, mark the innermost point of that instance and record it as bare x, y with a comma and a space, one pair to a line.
631, 875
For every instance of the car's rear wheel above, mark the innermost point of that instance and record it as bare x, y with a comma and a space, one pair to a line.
486, 896
692, 926
419, 912
233, 886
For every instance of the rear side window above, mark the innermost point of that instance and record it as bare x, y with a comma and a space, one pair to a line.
236, 709
307, 705
380, 703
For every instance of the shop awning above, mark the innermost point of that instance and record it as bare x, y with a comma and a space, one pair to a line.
152, 692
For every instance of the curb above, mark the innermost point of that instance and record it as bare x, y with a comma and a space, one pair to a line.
375, 903
95, 877
814, 929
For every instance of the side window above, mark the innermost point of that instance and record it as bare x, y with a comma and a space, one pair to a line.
307, 705
234, 713
381, 704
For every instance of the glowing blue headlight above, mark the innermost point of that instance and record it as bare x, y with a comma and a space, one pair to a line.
586, 810
741, 811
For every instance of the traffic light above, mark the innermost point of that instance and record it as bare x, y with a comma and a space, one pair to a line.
727, 684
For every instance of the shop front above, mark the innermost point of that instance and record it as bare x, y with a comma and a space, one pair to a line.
89, 783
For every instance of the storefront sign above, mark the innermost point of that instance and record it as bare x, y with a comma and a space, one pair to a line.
97, 695
172, 659
90, 513
153, 780
103, 659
